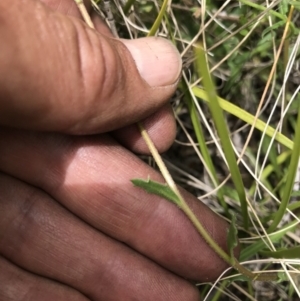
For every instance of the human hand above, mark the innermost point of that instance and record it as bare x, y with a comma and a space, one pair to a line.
72, 226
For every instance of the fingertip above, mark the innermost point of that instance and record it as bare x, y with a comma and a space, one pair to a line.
160, 126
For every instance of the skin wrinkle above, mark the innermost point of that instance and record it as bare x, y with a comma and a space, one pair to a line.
102, 82
39, 32
79, 61
110, 218
69, 9
133, 220
120, 78
147, 224
108, 206
21, 219
76, 68
77, 274
85, 38
58, 6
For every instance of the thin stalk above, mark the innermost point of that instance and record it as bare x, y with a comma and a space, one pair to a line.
162, 167
219, 121
158, 20
202, 145
191, 216
262, 8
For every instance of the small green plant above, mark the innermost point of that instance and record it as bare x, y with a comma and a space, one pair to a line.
171, 193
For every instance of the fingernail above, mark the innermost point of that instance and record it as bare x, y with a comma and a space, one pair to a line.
157, 60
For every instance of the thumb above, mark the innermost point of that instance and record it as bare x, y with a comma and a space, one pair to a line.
56, 74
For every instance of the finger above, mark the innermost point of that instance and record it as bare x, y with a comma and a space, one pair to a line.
75, 80
160, 126
44, 238
18, 284
91, 176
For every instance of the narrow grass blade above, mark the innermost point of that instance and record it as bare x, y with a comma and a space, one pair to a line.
158, 20
219, 121
269, 169
292, 170
290, 253
202, 144
254, 248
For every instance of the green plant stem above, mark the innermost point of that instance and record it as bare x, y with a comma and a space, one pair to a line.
162, 167
262, 8
233, 262
158, 20
191, 216
183, 205
202, 145
219, 121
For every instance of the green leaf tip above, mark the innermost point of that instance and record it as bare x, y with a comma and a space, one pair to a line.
286, 253
162, 190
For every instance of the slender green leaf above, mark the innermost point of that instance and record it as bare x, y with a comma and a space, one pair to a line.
290, 253
282, 276
159, 189
260, 245
202, 144
235, 278
292, 170
219, 121
263, 8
